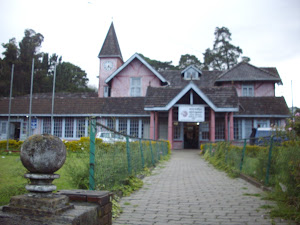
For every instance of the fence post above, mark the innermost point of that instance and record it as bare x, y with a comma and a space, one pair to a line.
92, 155
269, 161
128, 156
152, 157
243, 154
210, 149
142, 154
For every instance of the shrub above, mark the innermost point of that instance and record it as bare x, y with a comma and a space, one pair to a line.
12, 145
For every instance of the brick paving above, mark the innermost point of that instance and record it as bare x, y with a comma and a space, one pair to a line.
187, 190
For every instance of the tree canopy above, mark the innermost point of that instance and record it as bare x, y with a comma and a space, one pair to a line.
69, 77
222, 56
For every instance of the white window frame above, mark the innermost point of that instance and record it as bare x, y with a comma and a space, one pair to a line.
106, 91
135, 89
248, 88
191, 74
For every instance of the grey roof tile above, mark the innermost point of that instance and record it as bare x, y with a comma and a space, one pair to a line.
247, 72
110, 47
263, 106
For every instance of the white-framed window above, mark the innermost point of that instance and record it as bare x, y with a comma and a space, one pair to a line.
123, 125
248, 90
57, 130
135, 86
146, 128
134, 127
237, 124
262, 123
204, 131
3, 127
110, 123
80, 128
47, 126
191, 74
69, 127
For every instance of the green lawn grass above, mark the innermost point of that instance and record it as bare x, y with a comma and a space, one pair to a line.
12, 181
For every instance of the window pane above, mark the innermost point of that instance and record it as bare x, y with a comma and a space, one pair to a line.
123, 126
176, 131
135, 88
46, 126
134, 127
69, 127
80, 128
57, 127
110, 123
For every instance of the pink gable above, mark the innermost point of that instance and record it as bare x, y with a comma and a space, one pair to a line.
120, 84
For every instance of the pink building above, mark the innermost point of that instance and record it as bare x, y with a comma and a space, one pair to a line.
186, 107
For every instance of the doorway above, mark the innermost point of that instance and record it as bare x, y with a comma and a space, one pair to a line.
15, 129
191, 136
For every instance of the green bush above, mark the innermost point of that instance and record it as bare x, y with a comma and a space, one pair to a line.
13, 145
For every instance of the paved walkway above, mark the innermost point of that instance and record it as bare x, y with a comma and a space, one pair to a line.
187, 190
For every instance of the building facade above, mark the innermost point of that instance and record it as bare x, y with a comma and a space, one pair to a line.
186, 107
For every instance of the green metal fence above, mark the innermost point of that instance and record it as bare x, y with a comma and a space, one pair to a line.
115, 156
258, 161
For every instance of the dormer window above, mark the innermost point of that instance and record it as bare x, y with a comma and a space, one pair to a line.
191, 73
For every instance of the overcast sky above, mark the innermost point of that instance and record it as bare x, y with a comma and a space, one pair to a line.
268, 31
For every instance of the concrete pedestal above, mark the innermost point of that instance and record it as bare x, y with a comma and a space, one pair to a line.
83, 208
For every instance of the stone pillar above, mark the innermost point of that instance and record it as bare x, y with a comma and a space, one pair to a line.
226, 126
231, 126
212, 126
170, 127
152, 125
156, 126
42, 155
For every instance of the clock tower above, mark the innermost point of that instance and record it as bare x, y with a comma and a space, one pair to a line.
110, 60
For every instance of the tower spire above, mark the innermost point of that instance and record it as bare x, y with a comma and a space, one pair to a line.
110, 47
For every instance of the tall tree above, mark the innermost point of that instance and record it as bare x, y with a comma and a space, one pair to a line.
71, 78
186, 60
224, 55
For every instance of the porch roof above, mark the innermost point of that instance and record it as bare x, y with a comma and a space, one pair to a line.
218, 98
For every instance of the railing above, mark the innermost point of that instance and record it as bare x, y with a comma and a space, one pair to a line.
267, 162
119, 156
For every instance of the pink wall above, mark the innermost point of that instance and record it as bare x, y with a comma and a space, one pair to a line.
120, 86
260, 88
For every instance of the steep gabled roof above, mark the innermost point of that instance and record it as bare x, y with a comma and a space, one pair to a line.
110, 47
136, 56
263, 106
247, 72
220, 99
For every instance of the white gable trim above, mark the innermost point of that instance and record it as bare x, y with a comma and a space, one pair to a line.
187, 88
191, 66
135, 56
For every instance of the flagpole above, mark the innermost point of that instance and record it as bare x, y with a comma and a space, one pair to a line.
53, 95
30, 103
9, 106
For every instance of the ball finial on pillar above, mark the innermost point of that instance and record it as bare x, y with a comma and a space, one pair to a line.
42, 155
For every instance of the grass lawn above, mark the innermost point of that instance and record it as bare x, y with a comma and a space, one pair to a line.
12, 181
